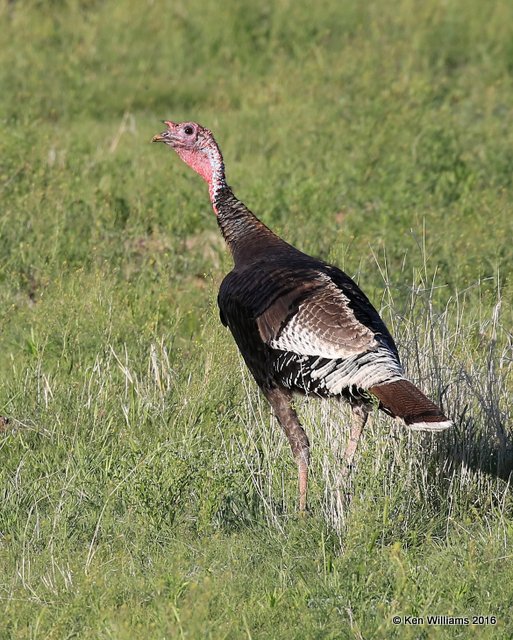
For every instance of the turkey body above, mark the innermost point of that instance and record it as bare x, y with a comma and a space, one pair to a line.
305, 325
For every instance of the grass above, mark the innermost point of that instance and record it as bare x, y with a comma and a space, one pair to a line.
146, 489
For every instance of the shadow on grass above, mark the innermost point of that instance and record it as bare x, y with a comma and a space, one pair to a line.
489, 451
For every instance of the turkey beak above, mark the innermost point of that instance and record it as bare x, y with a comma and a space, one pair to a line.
161, 137
167, 135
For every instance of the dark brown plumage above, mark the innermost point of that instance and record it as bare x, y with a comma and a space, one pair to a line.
301, 324
402, 399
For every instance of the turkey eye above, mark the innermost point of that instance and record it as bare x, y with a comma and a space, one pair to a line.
188, 130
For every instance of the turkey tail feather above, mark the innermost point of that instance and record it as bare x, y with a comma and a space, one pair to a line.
403, 400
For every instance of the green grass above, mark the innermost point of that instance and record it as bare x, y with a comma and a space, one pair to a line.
146, 490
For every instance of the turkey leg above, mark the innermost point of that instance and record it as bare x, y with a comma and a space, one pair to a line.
280, 400
360, 415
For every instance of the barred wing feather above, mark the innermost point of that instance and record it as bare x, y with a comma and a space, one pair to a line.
317, 319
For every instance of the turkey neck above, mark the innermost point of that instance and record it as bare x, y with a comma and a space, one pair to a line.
245, 235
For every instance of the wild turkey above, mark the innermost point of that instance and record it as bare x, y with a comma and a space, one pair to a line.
301, 324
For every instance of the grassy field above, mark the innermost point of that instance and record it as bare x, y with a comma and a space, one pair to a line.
147, 492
